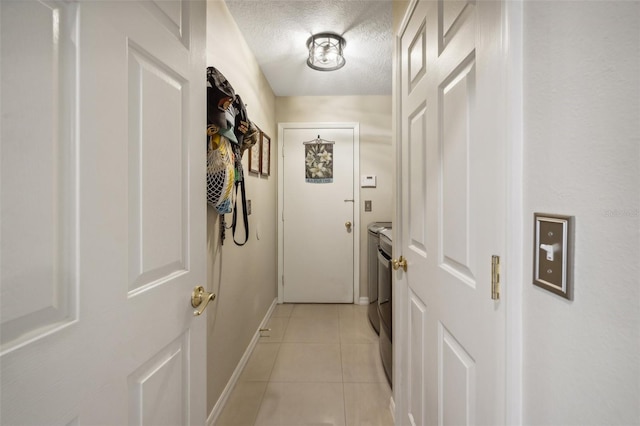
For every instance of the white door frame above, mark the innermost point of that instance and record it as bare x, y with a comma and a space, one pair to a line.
514, 279
512, 272
356, 197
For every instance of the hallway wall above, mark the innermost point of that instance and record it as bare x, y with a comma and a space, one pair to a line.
244, 278
376, 152
582, 158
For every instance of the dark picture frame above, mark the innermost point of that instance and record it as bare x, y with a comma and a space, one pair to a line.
255, 160
265, 154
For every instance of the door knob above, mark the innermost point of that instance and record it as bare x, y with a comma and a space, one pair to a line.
197, 296
348, 225
400, 263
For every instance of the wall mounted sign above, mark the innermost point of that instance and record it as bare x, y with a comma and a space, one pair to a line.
318, 157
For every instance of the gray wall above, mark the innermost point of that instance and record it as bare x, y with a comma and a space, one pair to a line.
244, 278
581, 158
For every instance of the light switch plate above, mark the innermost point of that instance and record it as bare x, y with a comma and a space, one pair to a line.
367, 205
553, 253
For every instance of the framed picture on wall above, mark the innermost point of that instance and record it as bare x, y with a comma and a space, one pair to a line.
254, 158
265, 155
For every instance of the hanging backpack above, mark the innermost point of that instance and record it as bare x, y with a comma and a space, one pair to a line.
230, 133
220, 158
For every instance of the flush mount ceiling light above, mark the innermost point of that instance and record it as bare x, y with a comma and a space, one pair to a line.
326, 52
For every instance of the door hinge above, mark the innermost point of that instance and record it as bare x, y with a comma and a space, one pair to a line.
282, 277
495, 277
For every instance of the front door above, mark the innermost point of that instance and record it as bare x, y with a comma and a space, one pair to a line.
103, 212
452, 213
318, 218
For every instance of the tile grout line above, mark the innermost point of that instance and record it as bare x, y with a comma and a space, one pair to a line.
341, 340
344, 394
271, 370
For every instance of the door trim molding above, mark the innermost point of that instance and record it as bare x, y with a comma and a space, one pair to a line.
400, 317
512, 26
355, 126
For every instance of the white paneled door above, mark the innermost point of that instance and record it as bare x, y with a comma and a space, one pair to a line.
452, 214
103, 212
319, 225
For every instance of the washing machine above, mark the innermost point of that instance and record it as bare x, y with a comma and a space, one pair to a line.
374, 229
385, 302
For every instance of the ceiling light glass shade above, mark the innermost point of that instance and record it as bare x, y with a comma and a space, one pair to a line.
326, 52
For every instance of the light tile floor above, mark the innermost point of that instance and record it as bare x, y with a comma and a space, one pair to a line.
319, 365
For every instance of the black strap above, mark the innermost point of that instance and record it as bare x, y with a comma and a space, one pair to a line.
245, 216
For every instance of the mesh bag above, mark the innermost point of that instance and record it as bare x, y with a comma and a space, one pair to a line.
220, 172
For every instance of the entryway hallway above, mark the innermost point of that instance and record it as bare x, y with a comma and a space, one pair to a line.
319, 364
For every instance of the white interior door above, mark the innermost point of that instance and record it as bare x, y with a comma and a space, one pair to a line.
452, 213
319, 225
103, 212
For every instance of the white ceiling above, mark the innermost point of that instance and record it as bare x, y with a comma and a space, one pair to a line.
277, 31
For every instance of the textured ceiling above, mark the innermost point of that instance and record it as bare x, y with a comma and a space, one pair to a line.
277, 31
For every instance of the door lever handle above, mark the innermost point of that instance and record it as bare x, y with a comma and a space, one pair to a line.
197, 296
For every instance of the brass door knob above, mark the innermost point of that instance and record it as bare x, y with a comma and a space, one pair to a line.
399, 263
348, 225
197, 296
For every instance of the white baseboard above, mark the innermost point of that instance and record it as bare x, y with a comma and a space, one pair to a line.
224, 397
363, 301
392, 408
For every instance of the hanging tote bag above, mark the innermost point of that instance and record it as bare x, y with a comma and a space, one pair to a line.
220, 172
